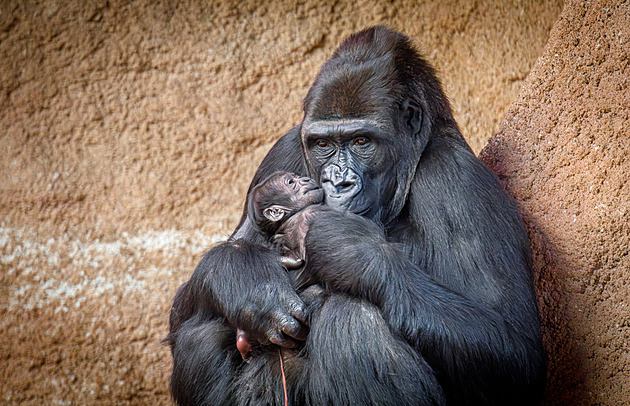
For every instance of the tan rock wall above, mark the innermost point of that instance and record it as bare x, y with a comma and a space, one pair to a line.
129, 132
125, 115
562, 151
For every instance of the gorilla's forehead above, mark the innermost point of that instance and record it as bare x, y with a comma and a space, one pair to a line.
347, 125
351, 90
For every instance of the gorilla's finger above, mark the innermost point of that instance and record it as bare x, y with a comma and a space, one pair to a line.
300, 334
298, 310
293, 328
291, 263
278, 339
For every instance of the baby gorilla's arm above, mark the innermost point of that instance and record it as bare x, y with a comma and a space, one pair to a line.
292, 236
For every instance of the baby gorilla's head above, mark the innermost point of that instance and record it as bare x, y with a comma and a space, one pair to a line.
280, 196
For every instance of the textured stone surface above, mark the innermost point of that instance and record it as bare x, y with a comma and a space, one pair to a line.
562, 151
129, 132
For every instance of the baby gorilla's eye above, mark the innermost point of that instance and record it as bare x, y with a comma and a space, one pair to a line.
290, 181
360, 141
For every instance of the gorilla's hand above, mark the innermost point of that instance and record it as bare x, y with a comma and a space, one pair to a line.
247, 284
270, 311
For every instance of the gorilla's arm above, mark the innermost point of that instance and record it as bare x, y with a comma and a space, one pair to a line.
241, 280
246, 284
455, 284
463, 339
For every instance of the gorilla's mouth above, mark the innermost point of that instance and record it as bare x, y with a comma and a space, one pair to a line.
350, 200
340, 198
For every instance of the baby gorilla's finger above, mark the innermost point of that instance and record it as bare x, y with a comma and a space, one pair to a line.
312, 294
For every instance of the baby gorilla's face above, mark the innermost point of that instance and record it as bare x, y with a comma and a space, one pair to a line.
300, 191
280, 196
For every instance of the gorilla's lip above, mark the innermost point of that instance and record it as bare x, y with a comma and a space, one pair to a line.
347, 208
348, 193
346, 202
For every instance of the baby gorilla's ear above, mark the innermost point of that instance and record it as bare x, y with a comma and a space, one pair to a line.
275, 213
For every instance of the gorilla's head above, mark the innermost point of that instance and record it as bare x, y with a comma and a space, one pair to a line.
367, 119
280, 196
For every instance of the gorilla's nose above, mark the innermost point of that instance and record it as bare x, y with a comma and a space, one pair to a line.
340, 184
341, 179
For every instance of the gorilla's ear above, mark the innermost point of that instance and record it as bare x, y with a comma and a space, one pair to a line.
275, 213
412, 115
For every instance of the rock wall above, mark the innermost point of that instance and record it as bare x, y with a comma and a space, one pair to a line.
126, 116
562, 151
129, 132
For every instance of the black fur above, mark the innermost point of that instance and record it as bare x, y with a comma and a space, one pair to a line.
427, 296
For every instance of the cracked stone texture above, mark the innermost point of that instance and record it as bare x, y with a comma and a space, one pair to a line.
562, 152
129, 132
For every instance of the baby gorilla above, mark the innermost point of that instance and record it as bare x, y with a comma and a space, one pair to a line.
272, 208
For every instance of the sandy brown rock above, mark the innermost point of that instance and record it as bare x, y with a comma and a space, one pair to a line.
562, 151
118, 116
129, 132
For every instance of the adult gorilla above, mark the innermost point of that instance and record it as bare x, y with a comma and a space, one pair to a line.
428, 296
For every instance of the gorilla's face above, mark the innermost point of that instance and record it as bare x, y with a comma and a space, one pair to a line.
298, 191
363, 133
354, 161
280, 196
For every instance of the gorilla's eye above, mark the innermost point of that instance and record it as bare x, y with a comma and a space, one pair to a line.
322, 143
290, 181
360, 141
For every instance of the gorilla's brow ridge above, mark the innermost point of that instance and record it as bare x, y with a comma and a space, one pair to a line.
322, 126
